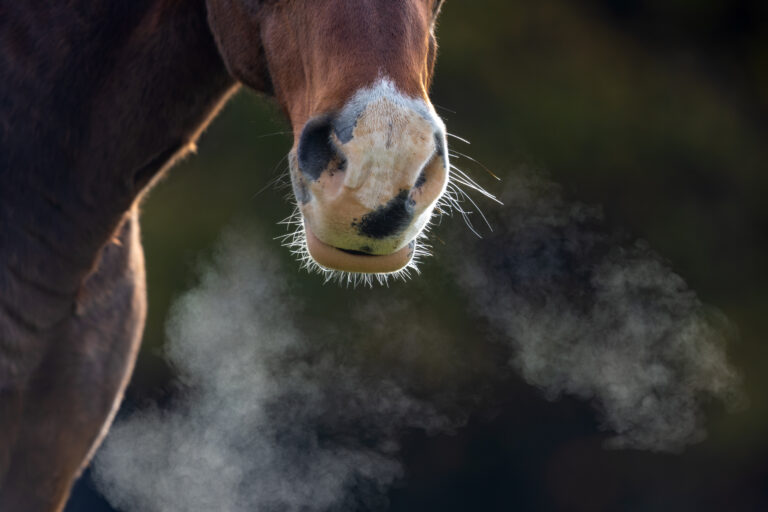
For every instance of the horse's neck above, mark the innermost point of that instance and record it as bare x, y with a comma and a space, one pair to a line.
95, 99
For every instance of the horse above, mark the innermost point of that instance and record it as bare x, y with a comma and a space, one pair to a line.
99, 98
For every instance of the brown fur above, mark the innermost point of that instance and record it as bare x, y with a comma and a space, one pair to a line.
97, 97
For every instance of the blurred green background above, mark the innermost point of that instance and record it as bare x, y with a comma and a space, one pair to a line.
655, 109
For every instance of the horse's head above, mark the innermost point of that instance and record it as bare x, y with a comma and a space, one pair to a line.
369, 160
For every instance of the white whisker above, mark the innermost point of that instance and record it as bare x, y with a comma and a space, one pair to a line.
455, 153
469, 182
465, 141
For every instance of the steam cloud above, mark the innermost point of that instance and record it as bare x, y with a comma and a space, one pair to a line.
272, 418
275, 416
590, 314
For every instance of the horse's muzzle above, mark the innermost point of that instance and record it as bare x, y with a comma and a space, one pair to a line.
367, 179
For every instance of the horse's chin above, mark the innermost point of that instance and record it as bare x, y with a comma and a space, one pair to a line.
333, 258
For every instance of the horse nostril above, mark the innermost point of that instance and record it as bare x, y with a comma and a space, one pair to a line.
316, 150
439, 155
421, 180
441, 145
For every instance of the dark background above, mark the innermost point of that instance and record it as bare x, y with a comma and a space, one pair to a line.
655, 109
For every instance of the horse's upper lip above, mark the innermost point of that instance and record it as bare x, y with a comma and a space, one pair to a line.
349, 261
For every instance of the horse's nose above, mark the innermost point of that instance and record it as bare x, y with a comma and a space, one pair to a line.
319, 145
368, 176
323, 139
388, 178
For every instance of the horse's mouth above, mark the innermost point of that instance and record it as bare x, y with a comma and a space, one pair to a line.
334, 258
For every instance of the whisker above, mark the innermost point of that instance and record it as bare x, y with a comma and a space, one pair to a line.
465, 216
461, 181
273, 134
462, 155
466, 180
477, 208
465, 141
446, 109
275, 179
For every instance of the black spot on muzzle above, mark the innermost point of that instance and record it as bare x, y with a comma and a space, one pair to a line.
389, 219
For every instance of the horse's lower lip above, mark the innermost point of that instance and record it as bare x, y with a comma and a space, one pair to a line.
335, 259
